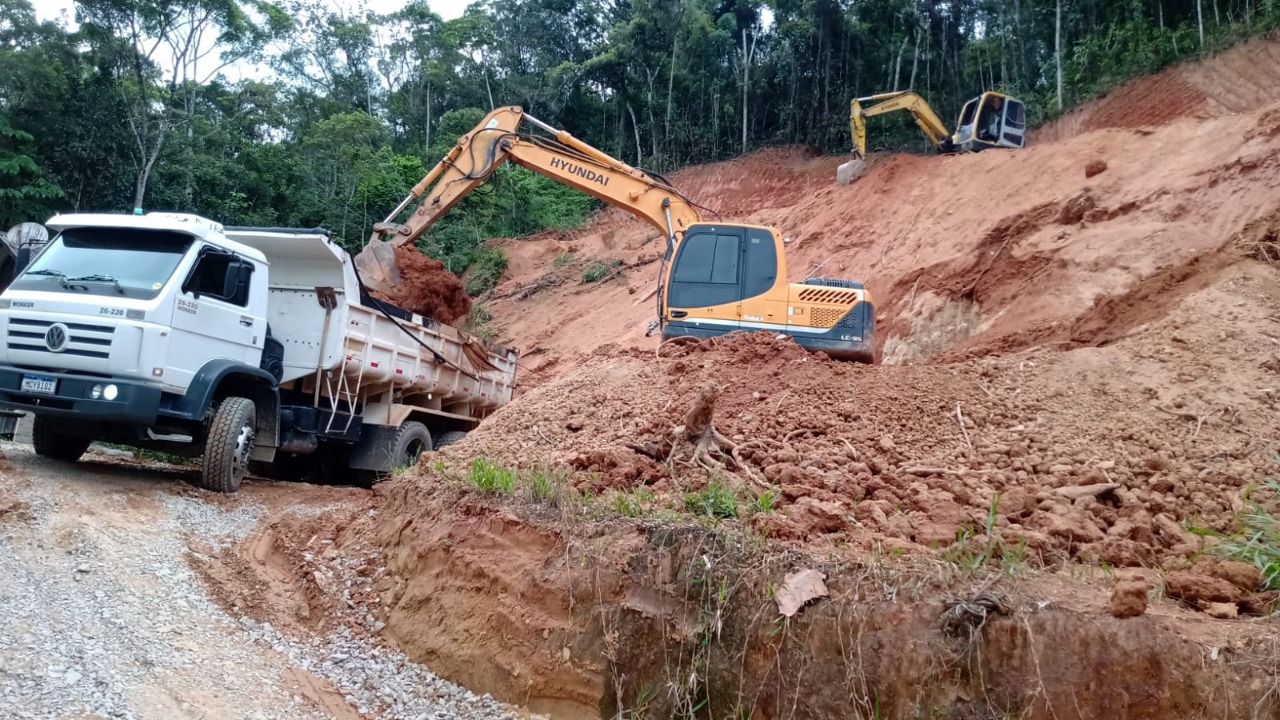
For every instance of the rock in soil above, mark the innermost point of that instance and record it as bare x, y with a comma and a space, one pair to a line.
1195, 589
1129, 598
1243, 575
1221, 611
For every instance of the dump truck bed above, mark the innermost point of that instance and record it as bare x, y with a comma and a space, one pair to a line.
356, 346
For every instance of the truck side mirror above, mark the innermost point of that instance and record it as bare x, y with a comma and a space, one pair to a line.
237, 276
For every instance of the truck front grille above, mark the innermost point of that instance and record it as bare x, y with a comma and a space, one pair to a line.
83, 339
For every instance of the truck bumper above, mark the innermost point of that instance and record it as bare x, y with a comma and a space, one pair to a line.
135, 403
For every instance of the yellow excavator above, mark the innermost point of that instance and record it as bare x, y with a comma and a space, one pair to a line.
715, 277
990, 120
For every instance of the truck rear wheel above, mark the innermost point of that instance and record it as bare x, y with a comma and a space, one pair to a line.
449, 438
230, 441
50, 443
410, 441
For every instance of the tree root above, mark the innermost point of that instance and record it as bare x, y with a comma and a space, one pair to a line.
711, 450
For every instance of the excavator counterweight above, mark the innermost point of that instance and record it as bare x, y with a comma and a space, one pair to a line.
715, 277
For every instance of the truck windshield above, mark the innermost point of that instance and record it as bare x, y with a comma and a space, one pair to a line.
120, 262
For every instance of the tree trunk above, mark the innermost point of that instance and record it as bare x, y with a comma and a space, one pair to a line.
747, 54
671, 81
915, 61
1200, 21
897, 63
636, 127
1057, 51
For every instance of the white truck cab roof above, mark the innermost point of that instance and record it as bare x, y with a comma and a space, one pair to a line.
188, 224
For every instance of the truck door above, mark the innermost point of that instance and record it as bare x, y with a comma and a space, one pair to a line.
213, 317
1014, 133
706, 280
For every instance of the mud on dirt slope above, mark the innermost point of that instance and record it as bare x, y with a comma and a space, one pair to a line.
996, 250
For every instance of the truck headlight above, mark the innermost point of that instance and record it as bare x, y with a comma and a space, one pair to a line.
108, 392
95, 392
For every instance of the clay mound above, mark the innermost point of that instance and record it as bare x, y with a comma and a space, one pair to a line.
428, 288
1243, 78
1103, 453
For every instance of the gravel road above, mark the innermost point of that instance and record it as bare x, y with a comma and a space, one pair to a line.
101, 616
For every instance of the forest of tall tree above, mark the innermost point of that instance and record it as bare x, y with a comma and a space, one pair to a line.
128, 104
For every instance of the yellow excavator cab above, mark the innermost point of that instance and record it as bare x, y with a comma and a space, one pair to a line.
990, 120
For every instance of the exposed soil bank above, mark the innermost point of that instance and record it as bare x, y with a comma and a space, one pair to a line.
631, 617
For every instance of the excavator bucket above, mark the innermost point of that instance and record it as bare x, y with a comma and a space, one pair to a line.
850, 171
377, 266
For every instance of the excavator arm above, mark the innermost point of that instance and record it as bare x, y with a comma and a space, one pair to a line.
559, 156
928, 121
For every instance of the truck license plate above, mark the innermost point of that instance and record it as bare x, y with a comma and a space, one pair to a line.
39, 384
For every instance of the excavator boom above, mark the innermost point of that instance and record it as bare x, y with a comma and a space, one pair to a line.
716, 277
560, 156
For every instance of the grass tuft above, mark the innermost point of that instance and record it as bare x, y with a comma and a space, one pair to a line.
715, 501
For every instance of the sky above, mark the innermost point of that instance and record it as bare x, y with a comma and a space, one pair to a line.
63, 12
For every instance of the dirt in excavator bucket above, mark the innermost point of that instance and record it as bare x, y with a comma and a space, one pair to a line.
850, 171
413, 281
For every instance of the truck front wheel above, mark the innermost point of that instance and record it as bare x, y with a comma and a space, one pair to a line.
50, 443
230, 441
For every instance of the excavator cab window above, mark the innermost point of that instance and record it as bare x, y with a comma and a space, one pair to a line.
1015, 124
707, 269
761, 263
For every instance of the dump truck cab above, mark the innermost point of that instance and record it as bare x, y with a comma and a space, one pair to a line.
239, 345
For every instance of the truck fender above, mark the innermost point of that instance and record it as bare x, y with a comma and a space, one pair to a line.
219, 378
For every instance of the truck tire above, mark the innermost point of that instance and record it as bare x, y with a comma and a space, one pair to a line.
288, 467
230, 441
449, 438
410, 441
50, 443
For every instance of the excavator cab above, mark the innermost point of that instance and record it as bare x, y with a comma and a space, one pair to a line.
990, 120
727, 277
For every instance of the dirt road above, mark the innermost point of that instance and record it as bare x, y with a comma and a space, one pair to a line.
104, 617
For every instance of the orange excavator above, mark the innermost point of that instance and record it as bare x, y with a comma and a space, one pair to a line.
715, 277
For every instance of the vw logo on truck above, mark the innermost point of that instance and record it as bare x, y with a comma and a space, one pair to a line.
56, 337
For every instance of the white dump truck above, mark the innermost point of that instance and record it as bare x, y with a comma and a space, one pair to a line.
256, 348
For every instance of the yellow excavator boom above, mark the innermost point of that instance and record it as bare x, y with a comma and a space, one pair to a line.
716, 277
928, 121
562, 157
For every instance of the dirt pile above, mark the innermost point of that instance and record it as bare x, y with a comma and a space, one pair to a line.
1107, 453
428, 288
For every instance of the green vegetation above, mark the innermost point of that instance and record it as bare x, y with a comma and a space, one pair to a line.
477, 322
489, 477
486, 270
1258, 541
717, 500
564, 259
598, 270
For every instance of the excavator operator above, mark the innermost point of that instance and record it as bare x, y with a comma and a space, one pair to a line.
989, 120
